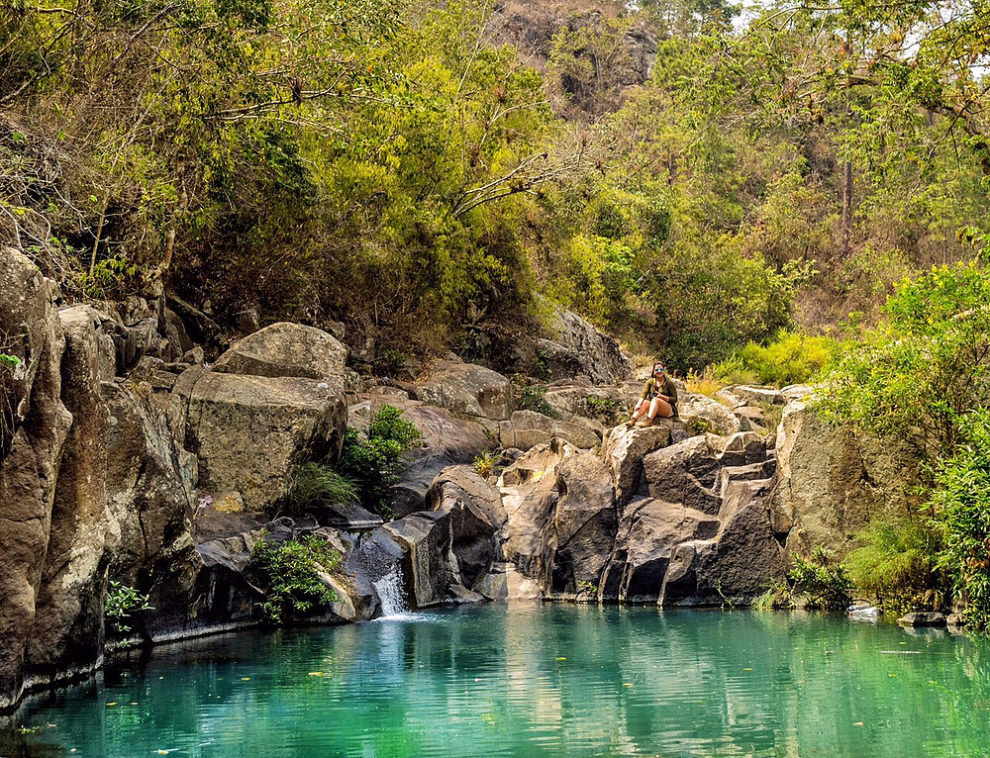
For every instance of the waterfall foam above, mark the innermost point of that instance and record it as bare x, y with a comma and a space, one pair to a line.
389, 589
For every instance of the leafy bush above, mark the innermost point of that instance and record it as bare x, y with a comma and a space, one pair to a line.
788, 359
913, 378
123, 602
820, 581
377, 463
315, 485
112, 278
960, 515
894, 564
290, 572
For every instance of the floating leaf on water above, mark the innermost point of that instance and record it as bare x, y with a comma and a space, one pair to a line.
747, 669
112, 702
561, 659
627, 684
858, 723
315, 673
245, 679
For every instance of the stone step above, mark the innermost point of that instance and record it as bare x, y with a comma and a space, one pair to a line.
759, 470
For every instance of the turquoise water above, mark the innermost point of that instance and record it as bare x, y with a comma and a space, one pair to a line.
537, 681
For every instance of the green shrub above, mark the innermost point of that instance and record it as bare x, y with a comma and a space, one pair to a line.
377, 463
290, 572
123, 602
894, 564
112, 278
315, 485
820, 581
914, 377
788, 359
960, 515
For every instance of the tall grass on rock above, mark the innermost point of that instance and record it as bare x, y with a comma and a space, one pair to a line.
315, 485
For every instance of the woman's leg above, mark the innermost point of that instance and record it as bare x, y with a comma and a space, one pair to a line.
641, 407
660, 407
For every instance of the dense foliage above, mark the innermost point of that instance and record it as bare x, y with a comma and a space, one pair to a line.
960, 515
377, 461
914, 377
393, 165
290, 572
895, 564
314, 486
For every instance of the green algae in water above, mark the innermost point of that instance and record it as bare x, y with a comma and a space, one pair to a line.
539, 680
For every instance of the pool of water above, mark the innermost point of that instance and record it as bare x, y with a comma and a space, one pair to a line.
535, 680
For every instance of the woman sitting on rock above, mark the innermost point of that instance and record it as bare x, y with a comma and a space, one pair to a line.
659, 397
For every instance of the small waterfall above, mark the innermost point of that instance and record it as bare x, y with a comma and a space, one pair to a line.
389, 589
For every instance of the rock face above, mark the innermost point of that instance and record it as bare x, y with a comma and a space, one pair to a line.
832, 480
532, 27
285, 349
575, 347
623, 451
248, 431
527, 429
467, 388
36, 427
68, 626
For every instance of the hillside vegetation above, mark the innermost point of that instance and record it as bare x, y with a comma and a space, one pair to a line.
398, 167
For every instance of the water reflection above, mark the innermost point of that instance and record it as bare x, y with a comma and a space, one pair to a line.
547, 680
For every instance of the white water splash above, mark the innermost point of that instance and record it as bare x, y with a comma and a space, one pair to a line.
389, 589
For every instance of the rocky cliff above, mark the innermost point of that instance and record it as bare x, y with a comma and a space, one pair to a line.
128, 459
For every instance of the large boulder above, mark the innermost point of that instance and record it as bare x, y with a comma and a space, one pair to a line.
527, 429
447, 440
35, 425
606, 405
476, 517
833, 479
68, 627
623, 451
286, 349
686, 473
466, 388
648, 533
150, 484
249, 431
425, 537
530, 493
739, 564
583, 529
703, 415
